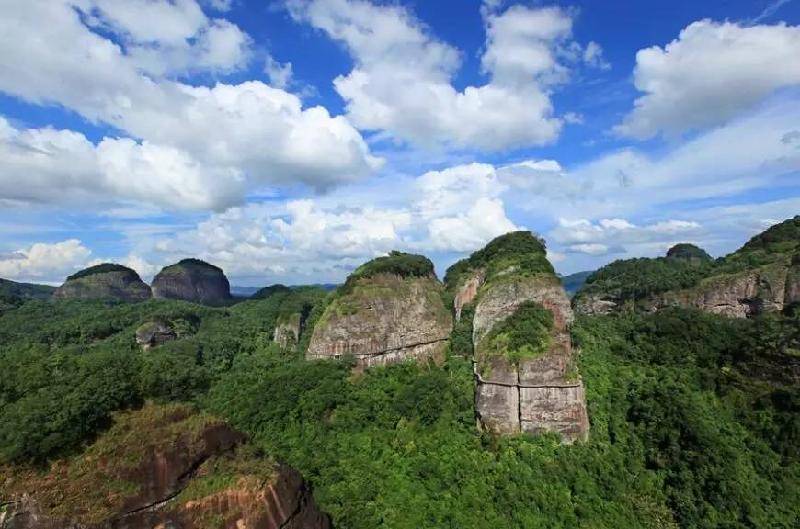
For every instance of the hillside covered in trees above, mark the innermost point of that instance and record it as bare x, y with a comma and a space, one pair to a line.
695, 417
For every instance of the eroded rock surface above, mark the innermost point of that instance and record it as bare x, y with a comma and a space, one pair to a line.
468, 291
157, 468
192, 280
537, 395
384, 319
760, 277
154, 333
390, 309
537, 391
287, 331
105, 281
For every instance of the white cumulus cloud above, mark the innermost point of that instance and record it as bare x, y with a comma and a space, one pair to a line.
711, 73
45, 261
402, 80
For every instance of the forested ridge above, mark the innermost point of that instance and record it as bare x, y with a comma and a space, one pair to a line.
694, 417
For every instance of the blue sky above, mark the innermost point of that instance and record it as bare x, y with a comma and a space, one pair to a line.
289, 141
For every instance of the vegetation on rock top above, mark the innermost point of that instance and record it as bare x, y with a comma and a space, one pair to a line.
518, 251
193, 265
396, 263
688, 251
686, 265
103, 268
524, 335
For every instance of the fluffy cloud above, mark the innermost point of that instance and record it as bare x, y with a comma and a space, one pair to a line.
324, 239
44, 261
62, 165
747, 153
251, 132
608, 236
402, 80
709, 74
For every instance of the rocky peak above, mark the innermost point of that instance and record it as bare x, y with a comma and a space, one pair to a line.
192, 280
162, 466
390, 309
688, 252
104, 281
526, 377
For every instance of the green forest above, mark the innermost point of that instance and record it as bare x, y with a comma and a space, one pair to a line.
694, 417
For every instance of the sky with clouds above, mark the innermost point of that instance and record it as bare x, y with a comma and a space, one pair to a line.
291, 140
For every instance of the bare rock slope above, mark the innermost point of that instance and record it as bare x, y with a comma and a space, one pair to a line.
525, 369
192, 280
389, 310
159, 467
104, 281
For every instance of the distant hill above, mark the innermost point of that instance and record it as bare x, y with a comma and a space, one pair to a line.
25, 290
573, 282
13, 294
762, 276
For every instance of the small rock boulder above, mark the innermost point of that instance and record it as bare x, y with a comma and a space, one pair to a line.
192, 280
154, 333
104, 281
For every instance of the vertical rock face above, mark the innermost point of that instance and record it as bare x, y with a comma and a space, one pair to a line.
791, 295
287, 330
104, 281
525, 371
163, 467
192, 280
739, 295
467, 292
389, 310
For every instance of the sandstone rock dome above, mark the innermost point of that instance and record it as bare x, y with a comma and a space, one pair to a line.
192, 280
104, 281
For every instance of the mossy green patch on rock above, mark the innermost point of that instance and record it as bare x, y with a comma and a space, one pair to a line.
396, 263
525, 335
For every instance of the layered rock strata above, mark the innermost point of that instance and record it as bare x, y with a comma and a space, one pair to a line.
384, 319
537, 395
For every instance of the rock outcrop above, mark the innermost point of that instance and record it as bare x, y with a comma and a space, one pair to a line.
104, 281
192, 280
531, 386
162, 467
389, 310
758, 278
154, 333
287, 330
